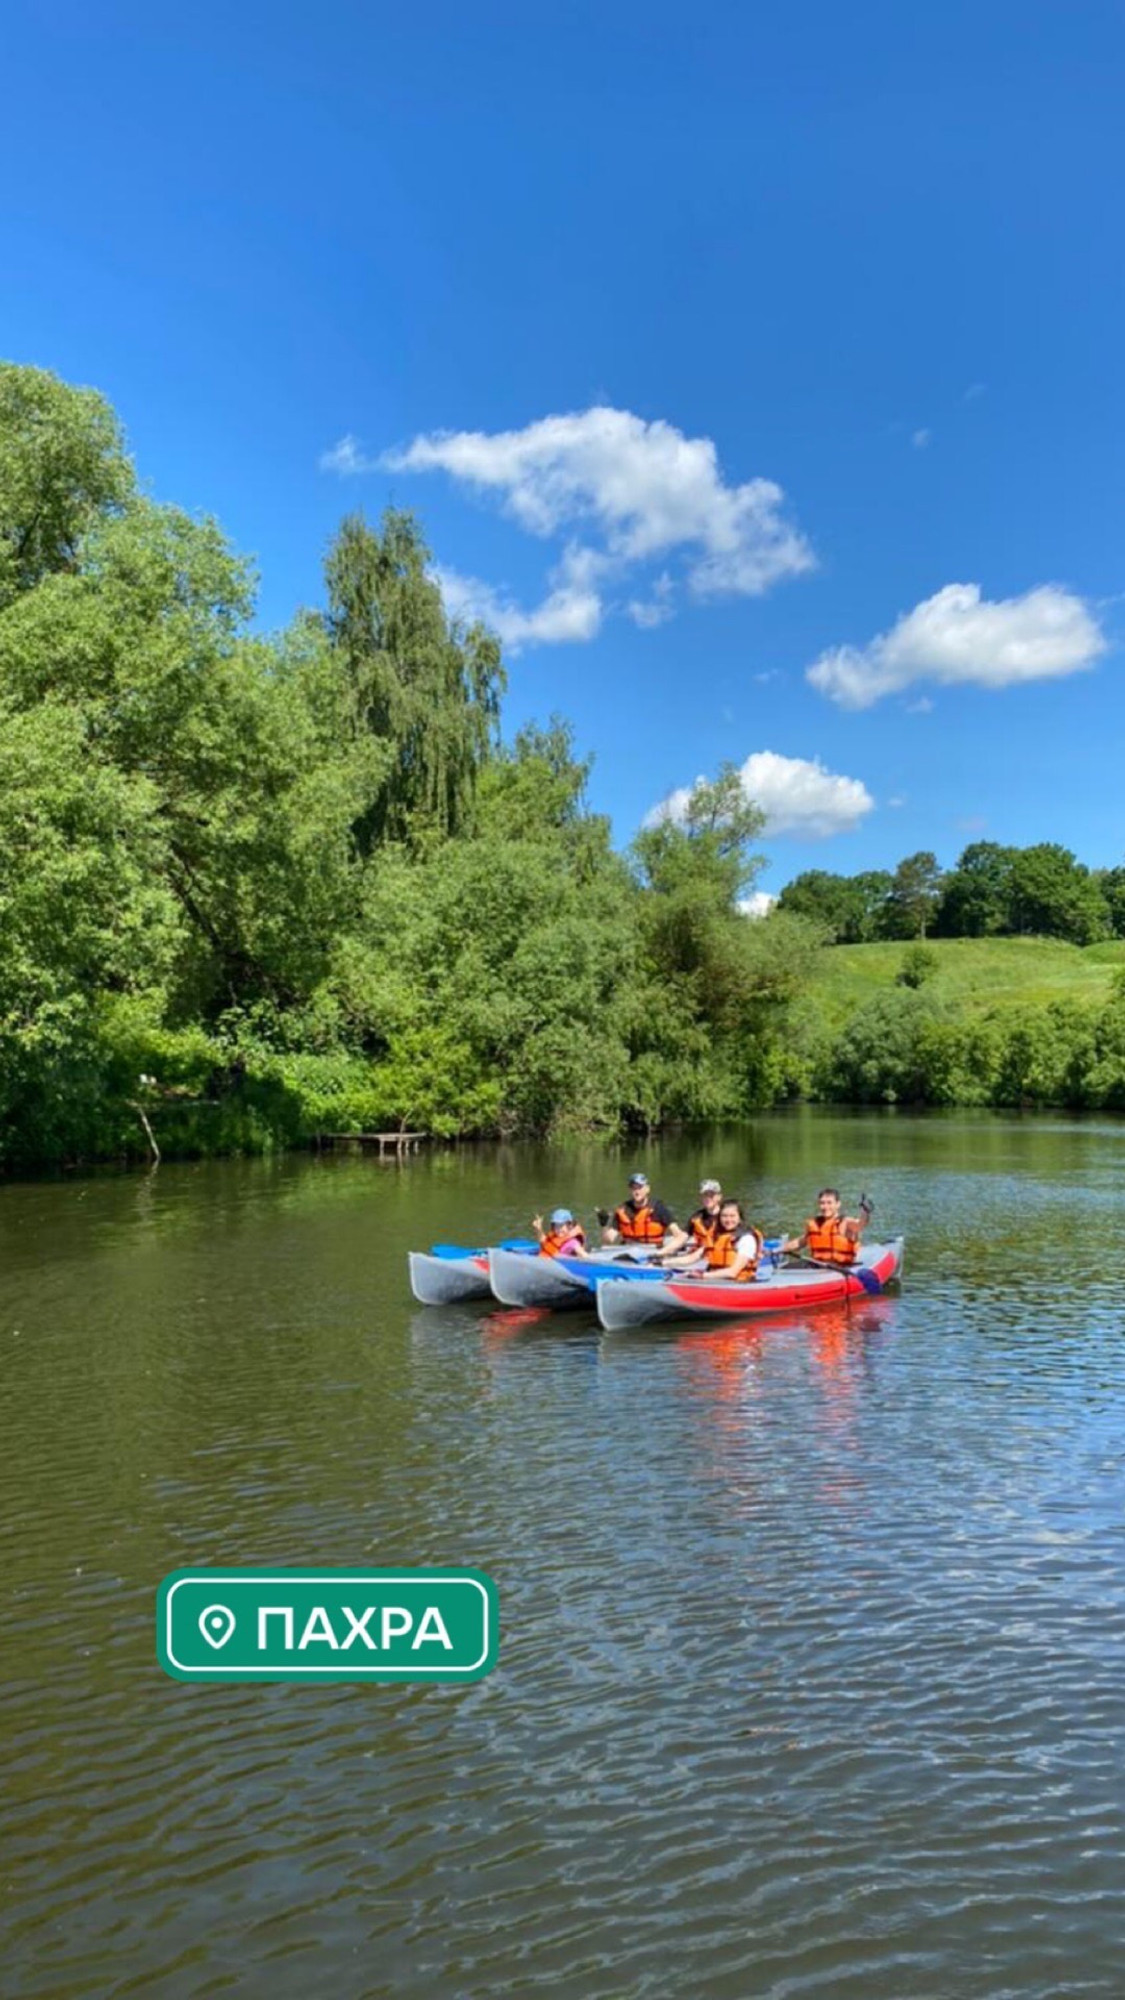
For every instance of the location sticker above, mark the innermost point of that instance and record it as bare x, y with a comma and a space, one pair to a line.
333, 1624
216, 1624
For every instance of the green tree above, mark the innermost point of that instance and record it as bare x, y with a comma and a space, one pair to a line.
913, 897
1110, 882
1053, 895
821, 898
976, 897
849, 907
424, 689
62, 466
871, 889
880, 1056
919, 963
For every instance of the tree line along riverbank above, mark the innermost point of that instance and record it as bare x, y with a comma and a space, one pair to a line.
256, 887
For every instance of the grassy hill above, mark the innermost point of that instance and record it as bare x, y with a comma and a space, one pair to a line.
972, 973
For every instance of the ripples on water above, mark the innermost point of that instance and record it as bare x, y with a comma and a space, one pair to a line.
811, 1669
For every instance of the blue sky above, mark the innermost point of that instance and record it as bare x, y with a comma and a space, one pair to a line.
827, 303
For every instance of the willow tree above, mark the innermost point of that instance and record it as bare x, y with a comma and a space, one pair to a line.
427, 687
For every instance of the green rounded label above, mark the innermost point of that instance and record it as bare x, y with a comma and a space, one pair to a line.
327, 1624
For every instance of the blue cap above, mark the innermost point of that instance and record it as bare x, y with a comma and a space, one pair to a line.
561, 1215
638, 1180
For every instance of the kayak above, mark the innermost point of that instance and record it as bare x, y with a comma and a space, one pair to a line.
562, 1281
451, 1272
779, 1289
569, 1281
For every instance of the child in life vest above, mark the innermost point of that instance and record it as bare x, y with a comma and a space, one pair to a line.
564, 1237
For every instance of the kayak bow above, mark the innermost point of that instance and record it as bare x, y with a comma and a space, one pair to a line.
451, 1272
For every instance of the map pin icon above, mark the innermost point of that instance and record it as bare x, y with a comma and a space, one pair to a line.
216, 1624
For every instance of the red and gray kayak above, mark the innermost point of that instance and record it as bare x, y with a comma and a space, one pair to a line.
787, 1288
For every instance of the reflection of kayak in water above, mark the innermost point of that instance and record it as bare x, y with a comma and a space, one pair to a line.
788, 1288
450, 1271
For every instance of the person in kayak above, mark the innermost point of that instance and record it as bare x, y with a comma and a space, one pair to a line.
564, 1237
830, 1237
733, 1251
642, 1219
703, 1222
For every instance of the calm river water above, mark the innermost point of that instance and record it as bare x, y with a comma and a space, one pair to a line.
812, 1675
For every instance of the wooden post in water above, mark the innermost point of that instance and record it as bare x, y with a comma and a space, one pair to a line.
149, 1133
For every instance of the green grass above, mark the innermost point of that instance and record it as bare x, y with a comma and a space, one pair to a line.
972, 973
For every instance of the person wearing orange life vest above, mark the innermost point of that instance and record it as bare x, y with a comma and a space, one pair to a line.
829, 1236
563, 1238
733, 1250
642, 1219
703, 1222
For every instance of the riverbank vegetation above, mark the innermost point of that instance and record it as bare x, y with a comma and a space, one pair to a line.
256, 887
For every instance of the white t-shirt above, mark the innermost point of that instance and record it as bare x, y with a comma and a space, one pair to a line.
747, 1246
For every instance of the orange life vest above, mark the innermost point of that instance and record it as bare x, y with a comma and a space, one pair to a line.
829, 1242
722, 1251
558, 1236
638, 1225
704, 1228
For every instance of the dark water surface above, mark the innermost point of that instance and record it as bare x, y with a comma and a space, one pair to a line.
812, 1676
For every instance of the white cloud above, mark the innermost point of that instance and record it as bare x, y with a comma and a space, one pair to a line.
923, 706
646, 486
758, 905
641, 490
571, 612
648, 615
920, 439
347, 459
957, 636
797, 795
655, 610
897, 802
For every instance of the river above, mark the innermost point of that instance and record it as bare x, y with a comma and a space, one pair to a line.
812, 1671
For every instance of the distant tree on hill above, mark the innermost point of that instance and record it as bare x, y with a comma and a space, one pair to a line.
976, 897
872, 890
1111, 883
1053, 895
822, 897
914, 894
849, 907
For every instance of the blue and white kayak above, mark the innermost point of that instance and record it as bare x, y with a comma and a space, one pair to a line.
451, 1272
571, 1281
563, 1281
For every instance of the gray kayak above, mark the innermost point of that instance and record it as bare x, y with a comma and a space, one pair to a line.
439, 1281
555, 1281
